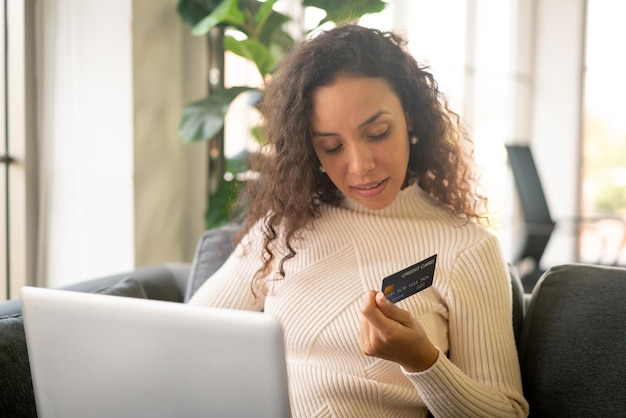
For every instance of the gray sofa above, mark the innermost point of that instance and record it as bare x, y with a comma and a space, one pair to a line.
570, 336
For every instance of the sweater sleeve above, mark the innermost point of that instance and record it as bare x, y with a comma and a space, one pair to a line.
480, 376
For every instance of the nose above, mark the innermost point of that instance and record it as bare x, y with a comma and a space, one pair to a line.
361, 160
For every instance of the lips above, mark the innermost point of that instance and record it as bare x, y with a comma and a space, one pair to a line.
369, 186
369, 190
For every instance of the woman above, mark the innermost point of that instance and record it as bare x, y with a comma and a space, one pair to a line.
367, 172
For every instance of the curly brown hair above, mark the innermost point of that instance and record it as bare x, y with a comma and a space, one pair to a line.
291, 187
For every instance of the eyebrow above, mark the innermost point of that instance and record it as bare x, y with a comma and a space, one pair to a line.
361, 125
372, 118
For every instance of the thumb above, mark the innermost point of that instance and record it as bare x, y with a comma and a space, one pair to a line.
392, 311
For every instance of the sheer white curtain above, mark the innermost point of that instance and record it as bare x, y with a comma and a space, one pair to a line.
85, 139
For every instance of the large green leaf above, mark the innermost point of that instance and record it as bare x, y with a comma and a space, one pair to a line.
226, 13
203, 119
220, 204
253, 50
273, 32
264, 23
193, 11
340, 11
264, 12
238, 162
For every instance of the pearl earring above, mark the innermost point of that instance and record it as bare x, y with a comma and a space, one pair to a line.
414, 138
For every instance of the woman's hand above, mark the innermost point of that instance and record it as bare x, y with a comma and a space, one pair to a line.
391, 333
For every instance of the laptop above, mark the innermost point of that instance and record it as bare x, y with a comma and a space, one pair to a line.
95, 355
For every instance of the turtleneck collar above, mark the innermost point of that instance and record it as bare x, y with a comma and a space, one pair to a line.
408, 202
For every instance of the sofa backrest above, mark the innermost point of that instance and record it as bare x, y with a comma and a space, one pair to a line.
519, 304
573, 344
212, 250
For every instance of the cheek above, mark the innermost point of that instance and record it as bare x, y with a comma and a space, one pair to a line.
335, 170
396, 156
405, 151
331, 167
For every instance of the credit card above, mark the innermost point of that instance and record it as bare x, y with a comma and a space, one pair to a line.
409, 281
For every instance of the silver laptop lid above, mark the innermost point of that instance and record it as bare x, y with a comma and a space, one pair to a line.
106, 356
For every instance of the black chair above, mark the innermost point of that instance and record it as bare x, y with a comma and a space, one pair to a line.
538, 223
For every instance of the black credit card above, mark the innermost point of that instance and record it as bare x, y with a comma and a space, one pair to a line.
409, 281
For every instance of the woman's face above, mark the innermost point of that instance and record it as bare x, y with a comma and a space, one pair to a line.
360, 136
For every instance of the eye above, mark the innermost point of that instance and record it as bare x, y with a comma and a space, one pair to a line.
333, 150
377, 137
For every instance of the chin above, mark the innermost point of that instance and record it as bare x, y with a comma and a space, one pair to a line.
374, 204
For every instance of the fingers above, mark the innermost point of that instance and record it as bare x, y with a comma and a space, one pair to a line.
391, 333
370, 307
391, 311
371, 321
381, 313
379, 310
379, 324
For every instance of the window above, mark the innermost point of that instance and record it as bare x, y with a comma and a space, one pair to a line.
604, 136
4, 167
18, 178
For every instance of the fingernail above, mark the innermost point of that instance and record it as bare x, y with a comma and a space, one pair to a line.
382, 298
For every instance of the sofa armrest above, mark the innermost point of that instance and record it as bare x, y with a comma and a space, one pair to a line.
166, 281
10, 307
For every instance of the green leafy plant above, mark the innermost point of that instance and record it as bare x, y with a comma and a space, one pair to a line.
264, 41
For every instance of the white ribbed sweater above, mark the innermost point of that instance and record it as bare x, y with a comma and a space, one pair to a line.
348, 250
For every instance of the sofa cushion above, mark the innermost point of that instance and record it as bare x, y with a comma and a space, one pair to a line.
16, 387
212, 250
128, 287
159, 282
572, 347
